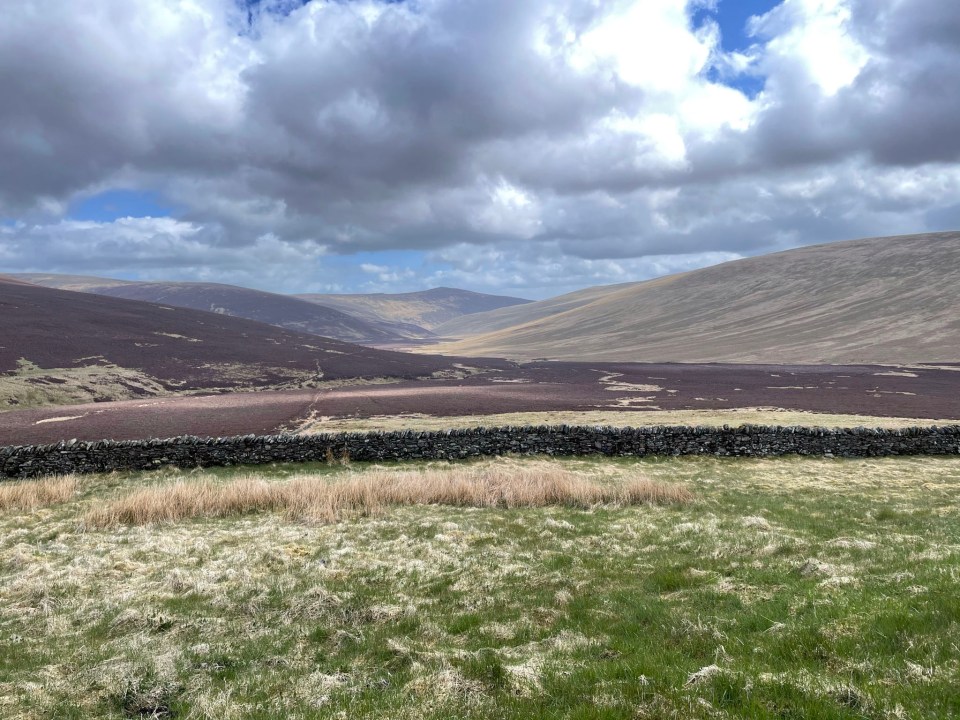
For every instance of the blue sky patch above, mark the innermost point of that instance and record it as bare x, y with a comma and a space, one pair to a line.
112, 204
348, 270
732, 16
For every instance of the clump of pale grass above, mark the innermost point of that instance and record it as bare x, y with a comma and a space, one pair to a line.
370, 492
184, 499
28, 494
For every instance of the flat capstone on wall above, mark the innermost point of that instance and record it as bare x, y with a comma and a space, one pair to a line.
563, 440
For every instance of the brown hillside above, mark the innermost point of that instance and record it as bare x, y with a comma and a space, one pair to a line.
62, 346
879, 300
284, 311
499, 319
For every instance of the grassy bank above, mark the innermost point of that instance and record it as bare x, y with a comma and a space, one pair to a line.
781, 588
615, 418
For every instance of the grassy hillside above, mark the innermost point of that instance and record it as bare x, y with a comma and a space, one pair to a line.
78, 283
59, 346
499, 319
795, 588
428, 309
880, 300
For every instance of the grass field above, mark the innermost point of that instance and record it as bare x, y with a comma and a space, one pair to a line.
776, 589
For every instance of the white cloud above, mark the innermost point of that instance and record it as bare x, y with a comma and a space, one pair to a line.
815, 36
507, 210
157, 249
501, 269
372, 269
567, 131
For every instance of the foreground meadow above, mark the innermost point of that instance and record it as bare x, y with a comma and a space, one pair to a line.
656, 588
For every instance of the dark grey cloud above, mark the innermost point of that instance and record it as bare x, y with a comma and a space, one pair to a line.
901, 108
565, 129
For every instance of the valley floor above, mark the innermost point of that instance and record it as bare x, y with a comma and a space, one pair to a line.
624, 394
789, 588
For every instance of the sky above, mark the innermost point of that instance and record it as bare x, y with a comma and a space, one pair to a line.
525, 148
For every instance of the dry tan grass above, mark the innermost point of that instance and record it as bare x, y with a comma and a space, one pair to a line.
28, 494
371, 492
617, 418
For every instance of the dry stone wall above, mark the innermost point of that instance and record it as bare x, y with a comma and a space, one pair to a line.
744, 441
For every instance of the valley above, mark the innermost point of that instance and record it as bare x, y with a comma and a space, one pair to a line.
864, 329
622, 394
458, 359
514, 586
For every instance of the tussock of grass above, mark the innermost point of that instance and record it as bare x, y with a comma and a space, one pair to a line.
28, 494
371, 492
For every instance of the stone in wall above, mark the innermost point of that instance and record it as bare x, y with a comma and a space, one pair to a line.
744, 441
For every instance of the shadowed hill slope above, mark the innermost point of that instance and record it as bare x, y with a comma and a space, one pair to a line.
879, 300
63, 346
283, 311
428, 309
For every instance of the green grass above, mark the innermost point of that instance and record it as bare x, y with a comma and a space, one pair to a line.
788, 589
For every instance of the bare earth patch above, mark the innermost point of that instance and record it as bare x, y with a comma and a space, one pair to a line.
63, 418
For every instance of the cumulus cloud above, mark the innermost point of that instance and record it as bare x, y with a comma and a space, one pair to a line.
511, 143
158, 249
508, 270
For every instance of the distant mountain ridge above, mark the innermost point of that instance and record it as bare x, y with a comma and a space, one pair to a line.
372, 319
427, 308
877, 300
283, 311
60, 346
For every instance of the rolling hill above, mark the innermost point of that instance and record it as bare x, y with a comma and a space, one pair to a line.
426, 309
79, 283
59, 346
283, 311
877, 300
484, 322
